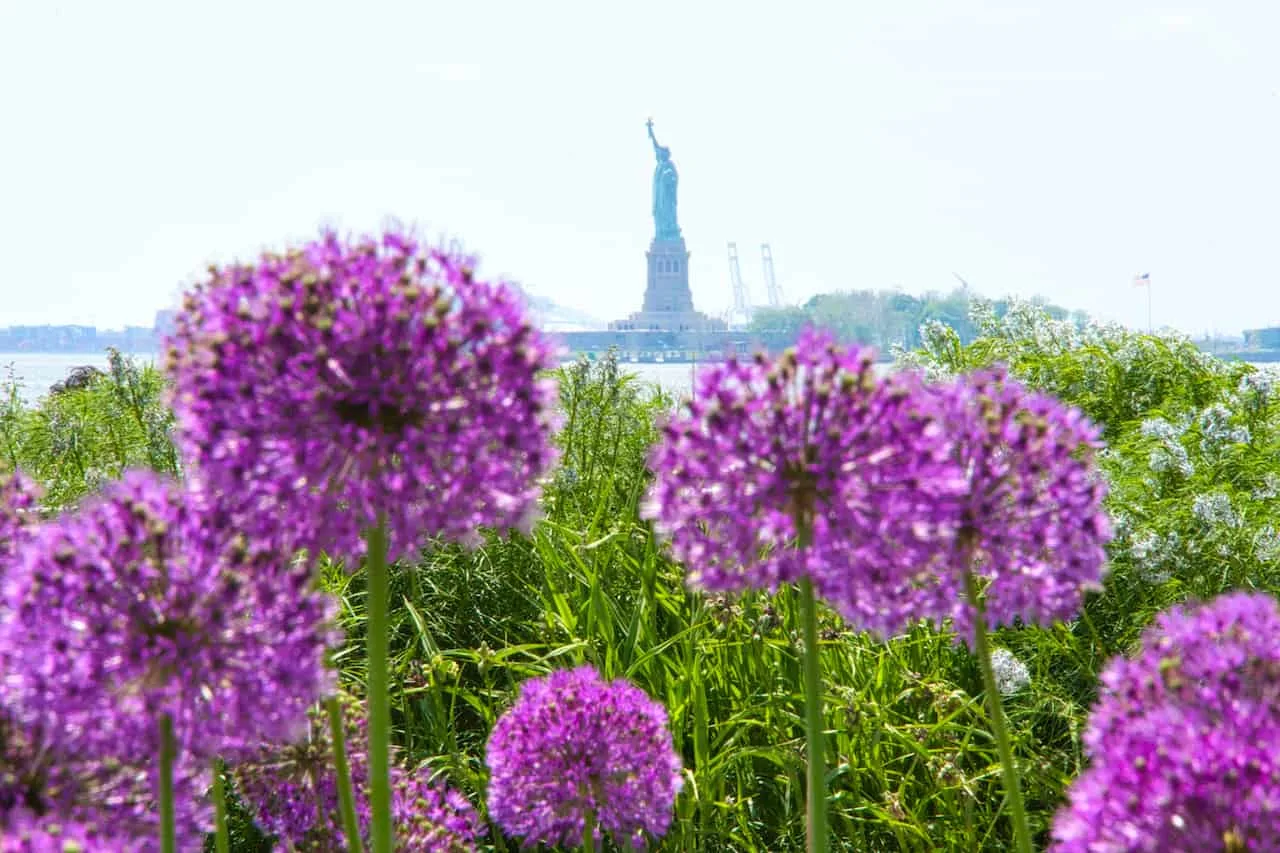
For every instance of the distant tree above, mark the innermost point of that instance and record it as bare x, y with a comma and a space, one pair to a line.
885, 318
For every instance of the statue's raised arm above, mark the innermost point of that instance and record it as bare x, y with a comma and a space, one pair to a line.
654, 139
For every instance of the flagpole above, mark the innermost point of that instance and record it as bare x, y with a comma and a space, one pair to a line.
1144, 280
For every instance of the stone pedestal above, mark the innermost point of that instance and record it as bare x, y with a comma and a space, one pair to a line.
667, 289
668, 301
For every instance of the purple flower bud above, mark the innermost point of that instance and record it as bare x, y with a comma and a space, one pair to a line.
316, 389
575, 748
1184, 741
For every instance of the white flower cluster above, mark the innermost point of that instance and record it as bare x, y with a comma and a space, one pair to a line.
1270, 486
1216, 431
1173, 458
937, 339
1266, 544
1011, 674
1170, 455
1214, 509
1159, 429
1155, 555
1026, 322
1260, 383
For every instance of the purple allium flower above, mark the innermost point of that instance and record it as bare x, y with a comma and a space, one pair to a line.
107, 798
19, 496
430, 817
24, 832
575, 748
293, 792
292, 788
1184, 741
1030, 523
131, 608
319, 388
807, 465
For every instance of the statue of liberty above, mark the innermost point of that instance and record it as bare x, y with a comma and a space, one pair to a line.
665, 180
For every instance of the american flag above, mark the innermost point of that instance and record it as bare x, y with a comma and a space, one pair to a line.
1142, 280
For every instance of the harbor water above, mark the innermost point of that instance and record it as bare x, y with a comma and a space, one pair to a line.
36, 372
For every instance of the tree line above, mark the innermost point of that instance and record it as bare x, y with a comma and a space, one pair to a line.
882, 318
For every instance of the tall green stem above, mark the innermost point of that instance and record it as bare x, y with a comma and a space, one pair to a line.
817, 787
168, 835
221, 838
346, 801
589, 834
379, 701
1012, 784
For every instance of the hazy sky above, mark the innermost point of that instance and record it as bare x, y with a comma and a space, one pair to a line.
1052, 148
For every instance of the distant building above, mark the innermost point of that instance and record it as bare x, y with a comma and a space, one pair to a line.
1265, 338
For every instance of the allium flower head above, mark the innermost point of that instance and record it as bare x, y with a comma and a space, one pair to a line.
23, 832
575, 748
126, 610
1184, 742
47, 788
806, 466
321, 387
18, 498
1030, 524
292, 790
430, 817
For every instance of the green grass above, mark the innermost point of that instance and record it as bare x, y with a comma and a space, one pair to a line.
913, 765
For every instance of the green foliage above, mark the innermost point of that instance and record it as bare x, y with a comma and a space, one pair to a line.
75, 440
884, 318
1193, 462
913, 765
1192, 459
911, 760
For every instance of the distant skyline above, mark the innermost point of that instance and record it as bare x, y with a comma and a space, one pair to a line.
1038, 148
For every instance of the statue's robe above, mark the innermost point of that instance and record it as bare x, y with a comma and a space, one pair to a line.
665, 181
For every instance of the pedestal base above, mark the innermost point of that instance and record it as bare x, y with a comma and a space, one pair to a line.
668, 301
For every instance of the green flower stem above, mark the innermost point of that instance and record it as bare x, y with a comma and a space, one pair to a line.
168, 836
1012, 784
817, 799
346, 801
589, 835
221, 839
379, 701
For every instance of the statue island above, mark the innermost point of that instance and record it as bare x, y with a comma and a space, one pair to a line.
668, 301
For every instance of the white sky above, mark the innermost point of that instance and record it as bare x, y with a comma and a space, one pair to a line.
1052, 148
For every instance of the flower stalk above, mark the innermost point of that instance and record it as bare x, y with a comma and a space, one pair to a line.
168, 836
381, 840
816, 823
346, 801
221, 838
1012, 783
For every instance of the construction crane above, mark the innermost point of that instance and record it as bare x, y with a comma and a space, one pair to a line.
741, 310
775, 292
